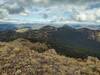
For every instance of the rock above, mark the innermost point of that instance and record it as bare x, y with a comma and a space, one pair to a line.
51, 51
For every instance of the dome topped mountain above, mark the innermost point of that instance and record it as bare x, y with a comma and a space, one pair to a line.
13, 26
89, 26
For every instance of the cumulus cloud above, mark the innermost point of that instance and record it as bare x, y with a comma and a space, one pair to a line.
3, 13
41, 1
74, 10
85, 16
97, 12
19, 6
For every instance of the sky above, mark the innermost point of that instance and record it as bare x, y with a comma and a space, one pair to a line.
50, 11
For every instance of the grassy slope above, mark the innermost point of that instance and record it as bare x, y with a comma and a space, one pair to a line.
21, 57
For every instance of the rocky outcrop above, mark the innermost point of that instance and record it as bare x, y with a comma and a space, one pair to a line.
94, 35
97, 34
91, 34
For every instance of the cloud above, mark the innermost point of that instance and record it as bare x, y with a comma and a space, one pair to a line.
19, 6
41, 1
94, 5
76, 10
3, 13
97, 12
23, 14
85, 16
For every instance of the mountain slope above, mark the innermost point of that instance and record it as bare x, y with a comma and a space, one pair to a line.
72, 42
20, 58
66, 40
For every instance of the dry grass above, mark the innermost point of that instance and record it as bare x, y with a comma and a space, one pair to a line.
20, 58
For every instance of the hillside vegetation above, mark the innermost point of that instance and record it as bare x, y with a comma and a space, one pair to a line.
21, 57
65, 40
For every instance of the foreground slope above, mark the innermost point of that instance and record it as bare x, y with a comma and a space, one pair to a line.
21, 57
